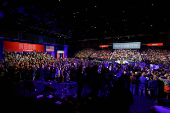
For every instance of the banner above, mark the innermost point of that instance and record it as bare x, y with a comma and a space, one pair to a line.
101, 46
130, 45
17, 46
155, 44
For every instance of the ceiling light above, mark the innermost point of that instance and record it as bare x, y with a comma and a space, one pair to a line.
94, 27
95, 6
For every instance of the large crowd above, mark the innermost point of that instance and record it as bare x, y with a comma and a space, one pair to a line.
101, 54
42, 66
149, 55
156, 55
85, 53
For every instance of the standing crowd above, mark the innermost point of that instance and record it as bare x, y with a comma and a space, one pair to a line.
100, 75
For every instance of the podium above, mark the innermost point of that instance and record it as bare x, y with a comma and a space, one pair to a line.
121, 62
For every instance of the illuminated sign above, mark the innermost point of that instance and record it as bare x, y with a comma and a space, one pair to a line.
130, 45
17, 46
101, 46
155, 44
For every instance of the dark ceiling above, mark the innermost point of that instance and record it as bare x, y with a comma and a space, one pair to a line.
85, 19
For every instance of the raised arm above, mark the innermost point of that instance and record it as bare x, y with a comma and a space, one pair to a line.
162, 79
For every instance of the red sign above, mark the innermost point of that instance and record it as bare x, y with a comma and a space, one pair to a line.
155, 44
17, 46
101, 46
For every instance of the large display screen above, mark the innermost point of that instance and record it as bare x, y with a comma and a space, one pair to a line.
130, 45
17, 46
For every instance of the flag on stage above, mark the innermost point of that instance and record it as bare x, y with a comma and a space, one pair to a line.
50, 48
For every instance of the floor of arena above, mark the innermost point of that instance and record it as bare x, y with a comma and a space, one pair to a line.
58, 99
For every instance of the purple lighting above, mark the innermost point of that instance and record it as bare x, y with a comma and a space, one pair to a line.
66, 50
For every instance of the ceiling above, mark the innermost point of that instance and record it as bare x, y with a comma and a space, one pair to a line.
85, 19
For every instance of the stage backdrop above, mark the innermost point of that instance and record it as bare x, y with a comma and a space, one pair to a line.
130, 45
50, 49
17, 46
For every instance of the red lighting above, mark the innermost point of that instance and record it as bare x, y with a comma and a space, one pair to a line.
155, 44
101, 46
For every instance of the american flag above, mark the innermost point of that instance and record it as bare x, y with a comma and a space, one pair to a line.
49, 48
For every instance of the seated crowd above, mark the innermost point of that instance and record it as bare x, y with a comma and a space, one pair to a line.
102, 54
156, 55
125, 54
85, 53
149, 55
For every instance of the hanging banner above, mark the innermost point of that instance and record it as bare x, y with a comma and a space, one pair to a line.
155, 44
19, 47
130, 45
102, 46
